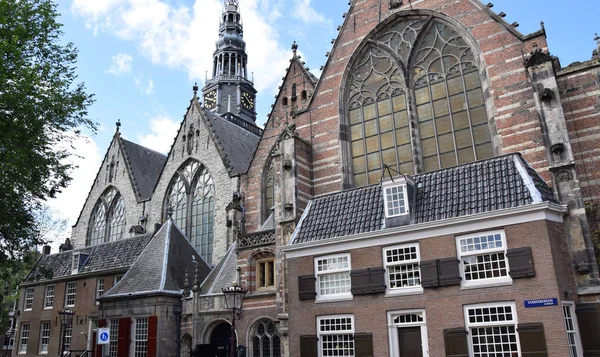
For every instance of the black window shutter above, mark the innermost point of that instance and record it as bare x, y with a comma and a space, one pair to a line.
520, 262
363, 345
306, 287
449, 271
456, 343
308, 346
533, 340
588, 316
359, 278
429, 274
377, 280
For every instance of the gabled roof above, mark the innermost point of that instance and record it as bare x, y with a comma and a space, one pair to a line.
235, 143
102, 257
482, 186
161, 267
145, 166
222, 275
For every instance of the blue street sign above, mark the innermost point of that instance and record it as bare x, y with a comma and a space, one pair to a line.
541, 302
103, 336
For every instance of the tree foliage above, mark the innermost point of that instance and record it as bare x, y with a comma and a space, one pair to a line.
42, 110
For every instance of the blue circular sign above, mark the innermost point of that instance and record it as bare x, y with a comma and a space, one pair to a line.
104, 336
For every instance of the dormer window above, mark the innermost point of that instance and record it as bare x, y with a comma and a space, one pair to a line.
79, 260
398, 195
395, 201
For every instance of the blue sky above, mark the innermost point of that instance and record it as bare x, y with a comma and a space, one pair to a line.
142, 57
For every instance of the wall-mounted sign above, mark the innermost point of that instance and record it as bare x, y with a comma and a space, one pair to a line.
541, 302
103, 336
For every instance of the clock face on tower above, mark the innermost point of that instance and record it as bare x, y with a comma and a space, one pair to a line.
247, 100
210, 99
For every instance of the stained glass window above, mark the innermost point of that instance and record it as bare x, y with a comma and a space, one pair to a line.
107, 222
415, 102
191, 202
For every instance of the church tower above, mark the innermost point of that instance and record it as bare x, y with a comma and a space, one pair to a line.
229, 91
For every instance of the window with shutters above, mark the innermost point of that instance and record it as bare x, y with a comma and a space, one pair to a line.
190, 202
44, 337
414, 100
396, 203
335, 335
483, 260
492, 329
70, 294
28, 301
403, 274
24, 338
333, 277
140, 337
114, 337
572, 329
49, 298
405, 327
266, 342
107, 222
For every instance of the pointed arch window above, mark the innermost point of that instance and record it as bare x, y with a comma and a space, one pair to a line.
415, 101
191, 200
266, 342
268, 190
107, 222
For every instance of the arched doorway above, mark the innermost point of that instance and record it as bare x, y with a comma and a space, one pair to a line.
219, 342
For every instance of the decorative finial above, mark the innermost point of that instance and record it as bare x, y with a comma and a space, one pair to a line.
118, 123
170, 211
597, 39
195, 89
294, 47
542, 25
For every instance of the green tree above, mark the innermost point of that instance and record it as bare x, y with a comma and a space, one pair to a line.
42, 110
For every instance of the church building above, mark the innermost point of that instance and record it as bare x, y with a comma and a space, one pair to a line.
434, 193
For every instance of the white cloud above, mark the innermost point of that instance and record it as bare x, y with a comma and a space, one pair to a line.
183, 38
304, 12
69, 202
121, 64
150, 87
163, 131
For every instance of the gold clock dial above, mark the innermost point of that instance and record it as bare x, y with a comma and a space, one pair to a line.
210, 99
247, 100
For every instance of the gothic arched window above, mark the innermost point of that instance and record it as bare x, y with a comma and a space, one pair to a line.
415, 101
265, 340
107, 222
191, 200
268, 190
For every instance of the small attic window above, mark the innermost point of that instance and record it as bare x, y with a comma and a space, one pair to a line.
303, 95
79, 260
396, 203
284, 101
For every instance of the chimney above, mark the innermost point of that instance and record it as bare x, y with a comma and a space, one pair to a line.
46, 250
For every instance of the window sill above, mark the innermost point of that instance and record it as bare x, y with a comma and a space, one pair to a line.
403, 292
333, 299
262, 292
49, 308
487, 284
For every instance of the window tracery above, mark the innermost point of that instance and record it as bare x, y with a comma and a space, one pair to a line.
266, 342
107, 222
415, 101
190, 200
268, 190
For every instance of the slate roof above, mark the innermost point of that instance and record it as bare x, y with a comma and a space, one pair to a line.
146, 166
222, 275
236, 144
161, 267
107, 256
482, 186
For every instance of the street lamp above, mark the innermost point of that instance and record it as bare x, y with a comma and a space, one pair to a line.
7, 337
66, 319
234, 299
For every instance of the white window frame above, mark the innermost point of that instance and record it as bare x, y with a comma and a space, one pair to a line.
68, 294
339, 296
415, 289
393, 333
49, 299
574, 331
469, 325
117, 279
114, 337
482, 282
68, 331
28, 299
141, 339
99, 289
349, 332
402, 202
24, 337
44, 336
